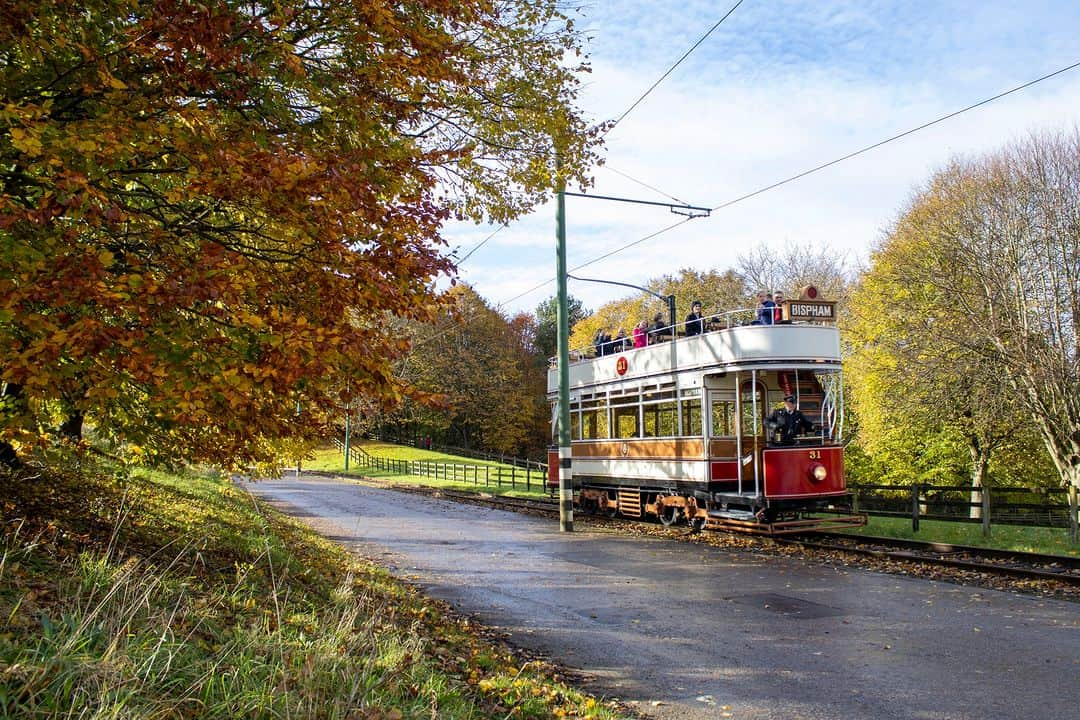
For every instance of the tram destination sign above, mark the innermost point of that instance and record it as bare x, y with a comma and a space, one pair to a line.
819, 310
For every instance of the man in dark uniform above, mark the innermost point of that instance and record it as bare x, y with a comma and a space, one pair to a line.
695, 323
788, 422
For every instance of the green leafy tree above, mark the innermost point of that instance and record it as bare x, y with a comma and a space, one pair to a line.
985, 265
547, 323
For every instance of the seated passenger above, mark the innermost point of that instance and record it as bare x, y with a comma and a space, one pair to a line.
787, 423
621, 342
640, 334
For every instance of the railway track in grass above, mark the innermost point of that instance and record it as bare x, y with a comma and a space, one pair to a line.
1013, 563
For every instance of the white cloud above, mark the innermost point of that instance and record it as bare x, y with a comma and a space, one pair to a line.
776, 95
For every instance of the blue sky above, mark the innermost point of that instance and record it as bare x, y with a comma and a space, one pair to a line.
780, 87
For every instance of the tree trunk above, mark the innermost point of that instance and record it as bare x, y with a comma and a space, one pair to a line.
980, 460
12, 403
72, 426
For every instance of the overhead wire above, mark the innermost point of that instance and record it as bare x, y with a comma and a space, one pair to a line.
627, 112
764, 189
481, 244
643, 184
888, 140
672, 68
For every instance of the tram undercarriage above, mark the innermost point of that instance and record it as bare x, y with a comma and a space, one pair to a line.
718, 511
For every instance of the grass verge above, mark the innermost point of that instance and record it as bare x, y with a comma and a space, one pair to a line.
172, 596
1054, 541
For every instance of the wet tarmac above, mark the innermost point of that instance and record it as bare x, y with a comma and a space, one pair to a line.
689, 631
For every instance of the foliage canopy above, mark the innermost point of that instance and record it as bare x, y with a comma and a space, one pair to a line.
209, 210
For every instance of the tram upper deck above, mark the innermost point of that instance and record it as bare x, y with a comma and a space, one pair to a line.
728, 349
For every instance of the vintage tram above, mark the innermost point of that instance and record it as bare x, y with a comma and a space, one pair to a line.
678, 429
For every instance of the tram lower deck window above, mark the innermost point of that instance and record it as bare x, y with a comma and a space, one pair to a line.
625, 419
691, 417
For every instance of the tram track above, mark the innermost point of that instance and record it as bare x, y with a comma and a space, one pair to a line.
1014, 563
965, 562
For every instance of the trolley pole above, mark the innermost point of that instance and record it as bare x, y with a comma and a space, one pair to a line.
566, 474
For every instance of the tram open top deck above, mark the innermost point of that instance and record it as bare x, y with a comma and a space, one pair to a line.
729, 349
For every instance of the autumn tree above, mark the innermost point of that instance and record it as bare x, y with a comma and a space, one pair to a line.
992, 246
719, 291
209, 210
790, 266
480, 370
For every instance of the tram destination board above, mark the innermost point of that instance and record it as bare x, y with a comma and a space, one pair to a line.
819, 310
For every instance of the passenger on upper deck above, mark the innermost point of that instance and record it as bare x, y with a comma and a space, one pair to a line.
695, 323
765, 308
602, 342
778, 311
786, 423
640, 336
658, 331
621, 342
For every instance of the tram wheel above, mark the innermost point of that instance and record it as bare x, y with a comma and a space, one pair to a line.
697, 524
670, 516
611, 511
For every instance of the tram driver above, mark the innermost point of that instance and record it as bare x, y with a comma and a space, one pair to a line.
787, 423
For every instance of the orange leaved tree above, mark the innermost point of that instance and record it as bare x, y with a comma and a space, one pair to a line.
210, 210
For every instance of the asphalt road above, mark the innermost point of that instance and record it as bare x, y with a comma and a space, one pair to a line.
689, 631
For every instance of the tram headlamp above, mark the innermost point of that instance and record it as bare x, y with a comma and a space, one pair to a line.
818, 472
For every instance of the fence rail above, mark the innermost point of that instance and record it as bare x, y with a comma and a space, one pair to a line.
529, 477
1039, 507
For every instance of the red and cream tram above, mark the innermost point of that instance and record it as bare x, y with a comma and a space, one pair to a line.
677, 430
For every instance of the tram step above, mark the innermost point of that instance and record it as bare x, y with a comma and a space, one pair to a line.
733, 514
630, 503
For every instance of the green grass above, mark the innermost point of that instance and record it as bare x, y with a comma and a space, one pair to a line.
173, 596
333, 460
1009, 537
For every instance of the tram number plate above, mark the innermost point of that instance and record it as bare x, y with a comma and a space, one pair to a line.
815, 454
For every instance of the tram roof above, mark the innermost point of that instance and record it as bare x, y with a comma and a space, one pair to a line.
738, 348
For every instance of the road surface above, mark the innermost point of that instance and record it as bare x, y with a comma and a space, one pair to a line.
690, 631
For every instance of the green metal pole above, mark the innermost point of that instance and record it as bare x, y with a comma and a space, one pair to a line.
566, 484
348, 414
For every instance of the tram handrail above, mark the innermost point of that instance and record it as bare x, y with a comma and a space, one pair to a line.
713, 323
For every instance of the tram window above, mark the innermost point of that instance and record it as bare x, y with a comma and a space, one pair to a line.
661, 420
575, 426
594, 424
691, 417
626, 421
723, 418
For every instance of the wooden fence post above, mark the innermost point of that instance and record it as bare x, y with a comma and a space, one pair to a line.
915, 507
1074, 514
486, 469
986, 511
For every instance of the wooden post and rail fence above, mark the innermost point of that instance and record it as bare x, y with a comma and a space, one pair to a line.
527, 474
